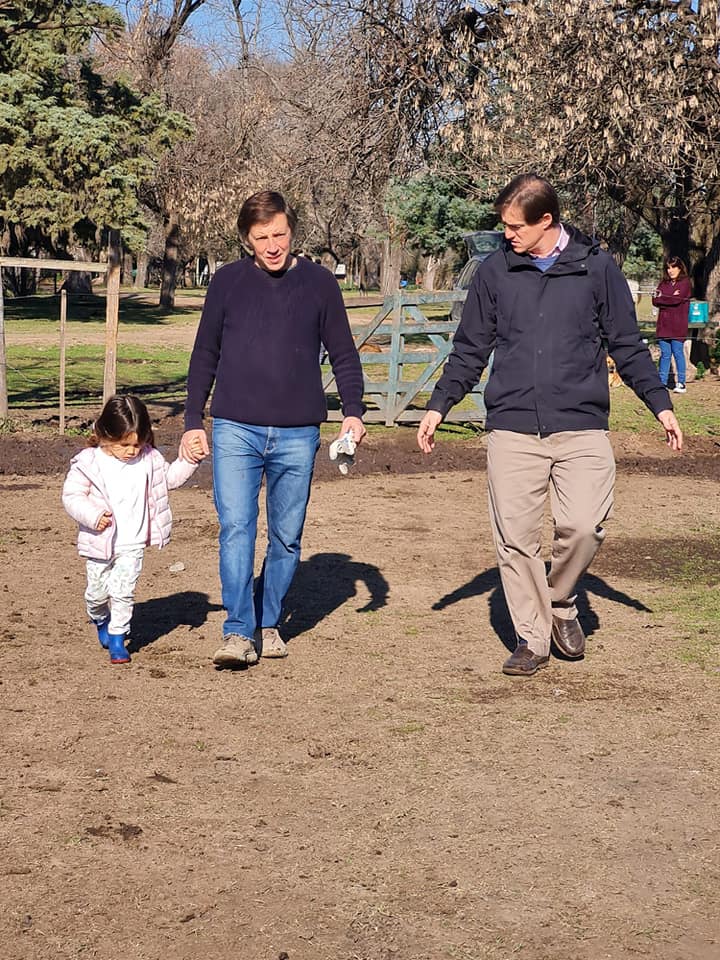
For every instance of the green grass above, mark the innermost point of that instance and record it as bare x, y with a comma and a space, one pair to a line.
695, 610
159, 373
630, 415
41, 314
33, 374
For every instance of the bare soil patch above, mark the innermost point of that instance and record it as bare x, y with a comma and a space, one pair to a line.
38, 450
384, 793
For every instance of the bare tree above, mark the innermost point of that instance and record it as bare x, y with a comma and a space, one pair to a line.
154, 29
620, 98
617, 100
352, 104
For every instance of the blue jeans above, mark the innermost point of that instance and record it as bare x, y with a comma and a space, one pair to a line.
677, 349
242, 453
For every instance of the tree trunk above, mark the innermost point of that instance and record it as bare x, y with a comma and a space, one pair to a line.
21, 281
140, 281
621, 239
127, 268
370, 258
327, 259
705, 262
676, 239
170, 263
77, 282
430, 272
392, 259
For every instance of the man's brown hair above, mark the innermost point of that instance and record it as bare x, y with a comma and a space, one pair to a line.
533, 194
261, 207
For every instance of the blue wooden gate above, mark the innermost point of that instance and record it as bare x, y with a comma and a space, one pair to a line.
413, 349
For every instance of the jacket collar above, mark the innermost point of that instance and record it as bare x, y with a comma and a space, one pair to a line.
573, 259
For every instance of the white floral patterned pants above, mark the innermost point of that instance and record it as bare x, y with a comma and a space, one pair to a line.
111, 589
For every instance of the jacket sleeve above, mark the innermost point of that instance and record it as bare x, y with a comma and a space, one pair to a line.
661, 298
176, 473
76, 498
205, 353
658, 299
338, 341
473, 343
618, 321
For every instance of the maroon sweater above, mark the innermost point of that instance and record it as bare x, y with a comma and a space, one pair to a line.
259, 342
673, 298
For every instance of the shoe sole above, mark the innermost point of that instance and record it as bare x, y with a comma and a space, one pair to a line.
565, 654
511, 672
273, 654
224, 661
126, 660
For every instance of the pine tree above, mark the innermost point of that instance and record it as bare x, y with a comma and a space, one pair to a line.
75, 147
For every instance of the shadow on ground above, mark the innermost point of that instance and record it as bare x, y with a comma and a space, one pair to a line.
488, 582
325, 582
156, 618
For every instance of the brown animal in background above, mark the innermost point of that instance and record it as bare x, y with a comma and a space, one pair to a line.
614, 378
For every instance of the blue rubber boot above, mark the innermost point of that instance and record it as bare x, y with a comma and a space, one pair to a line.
103, 633
116, 646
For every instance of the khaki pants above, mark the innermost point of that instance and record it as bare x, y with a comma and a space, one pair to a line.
578, 468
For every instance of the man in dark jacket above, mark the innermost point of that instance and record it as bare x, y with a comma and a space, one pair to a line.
545, 306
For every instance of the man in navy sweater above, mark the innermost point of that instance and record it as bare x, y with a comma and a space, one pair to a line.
258, 343
545, 305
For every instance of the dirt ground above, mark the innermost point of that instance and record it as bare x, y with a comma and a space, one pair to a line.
385, 793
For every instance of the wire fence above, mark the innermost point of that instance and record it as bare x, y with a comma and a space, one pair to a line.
157, 374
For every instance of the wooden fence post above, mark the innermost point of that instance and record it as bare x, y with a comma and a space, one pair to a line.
395, 368
3, 358
63, 326
112, 310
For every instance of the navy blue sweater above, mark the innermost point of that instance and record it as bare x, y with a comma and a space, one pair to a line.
259, 342
549, 333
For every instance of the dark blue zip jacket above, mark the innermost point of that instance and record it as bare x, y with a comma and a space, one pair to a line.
549, 333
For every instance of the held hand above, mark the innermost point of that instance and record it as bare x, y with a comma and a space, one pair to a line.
426, 431
355, 425
673, 433
194, 446
104, 521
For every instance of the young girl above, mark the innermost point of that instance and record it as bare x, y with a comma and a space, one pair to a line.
673, 298
117, 490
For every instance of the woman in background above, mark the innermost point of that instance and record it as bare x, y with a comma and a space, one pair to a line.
673, 299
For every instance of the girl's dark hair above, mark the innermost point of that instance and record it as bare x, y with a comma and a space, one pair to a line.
674, 262
261, 208
533, 194
120, 416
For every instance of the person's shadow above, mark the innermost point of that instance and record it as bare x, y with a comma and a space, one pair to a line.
325, 582
489, 582
155, 618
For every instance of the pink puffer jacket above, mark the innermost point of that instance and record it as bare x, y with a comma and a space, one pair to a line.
84, 496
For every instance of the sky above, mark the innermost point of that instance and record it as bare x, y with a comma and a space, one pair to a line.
214, 25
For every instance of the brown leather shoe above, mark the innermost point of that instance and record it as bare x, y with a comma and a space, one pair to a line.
524, 663
568, 637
